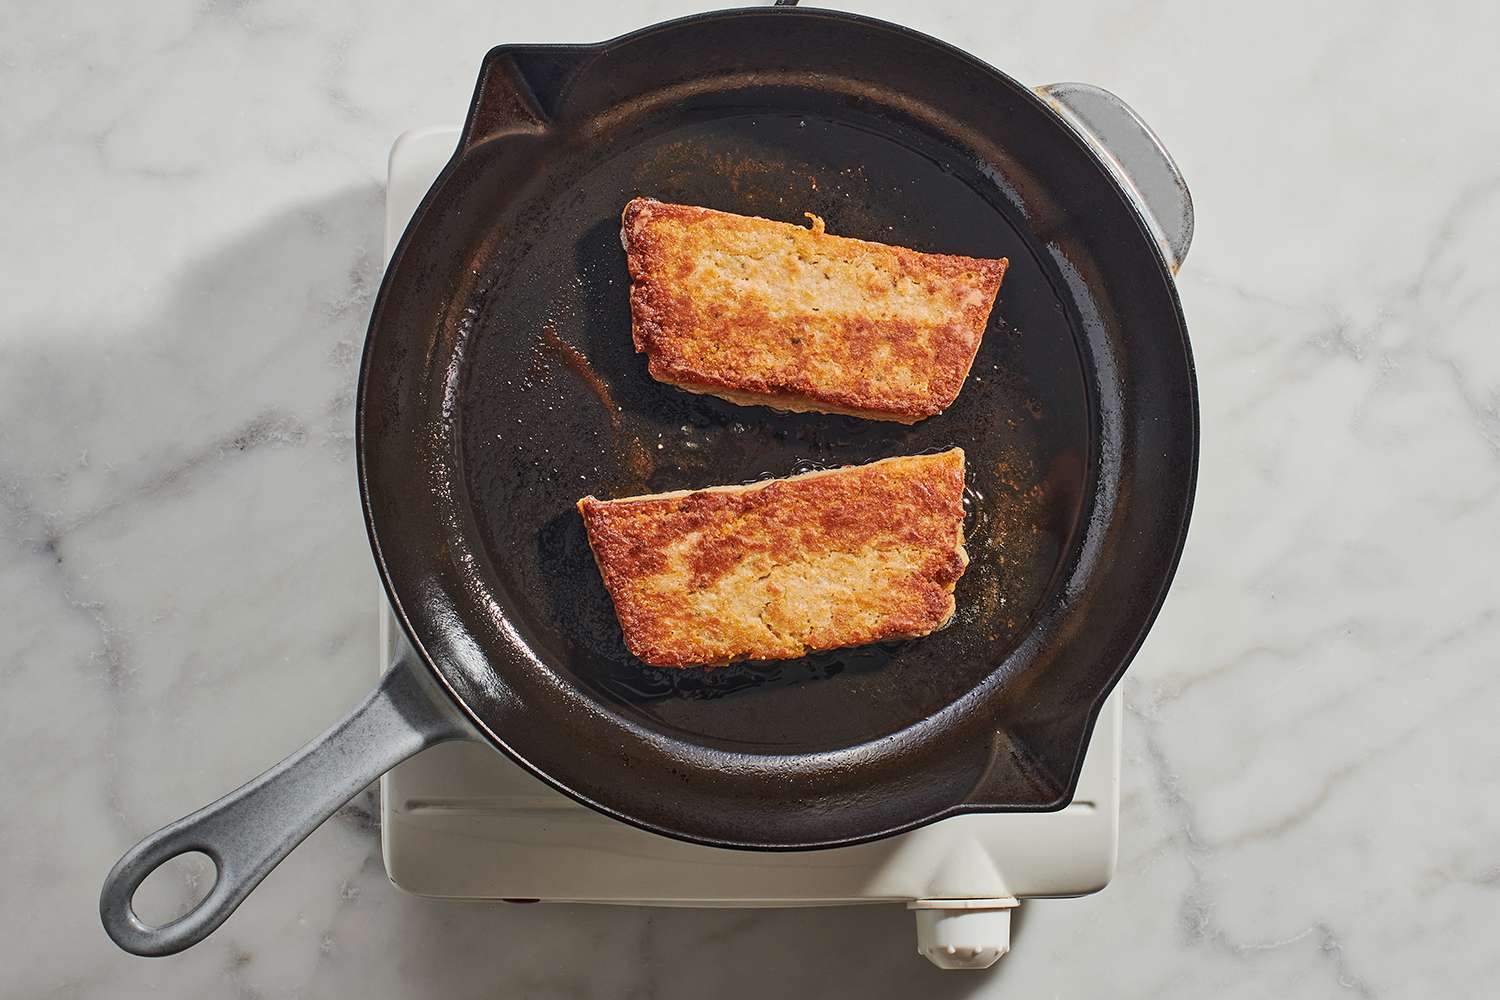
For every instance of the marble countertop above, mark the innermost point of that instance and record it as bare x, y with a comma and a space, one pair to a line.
1312, 767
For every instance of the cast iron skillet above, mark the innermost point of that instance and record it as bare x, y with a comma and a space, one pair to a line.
499, 385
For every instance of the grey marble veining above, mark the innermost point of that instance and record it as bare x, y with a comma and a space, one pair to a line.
1312, 771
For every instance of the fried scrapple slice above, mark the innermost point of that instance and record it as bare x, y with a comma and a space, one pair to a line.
784, 567
762, 312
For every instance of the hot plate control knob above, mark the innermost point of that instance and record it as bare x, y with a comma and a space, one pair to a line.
963, 933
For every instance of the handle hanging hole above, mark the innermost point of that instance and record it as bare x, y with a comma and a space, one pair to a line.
174, 888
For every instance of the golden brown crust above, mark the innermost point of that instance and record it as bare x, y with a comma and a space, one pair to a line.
768, 312
781, 568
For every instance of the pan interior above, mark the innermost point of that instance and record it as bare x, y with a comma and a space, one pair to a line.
558, 405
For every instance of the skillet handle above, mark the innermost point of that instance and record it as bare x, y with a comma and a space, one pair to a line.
249, 831
1136, 157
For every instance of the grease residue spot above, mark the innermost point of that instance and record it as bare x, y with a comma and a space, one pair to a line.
579, 362
637, 459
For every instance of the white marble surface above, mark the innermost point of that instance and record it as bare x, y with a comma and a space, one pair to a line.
189, 244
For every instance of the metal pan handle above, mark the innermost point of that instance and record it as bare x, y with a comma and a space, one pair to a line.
1136, 157
249, 831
